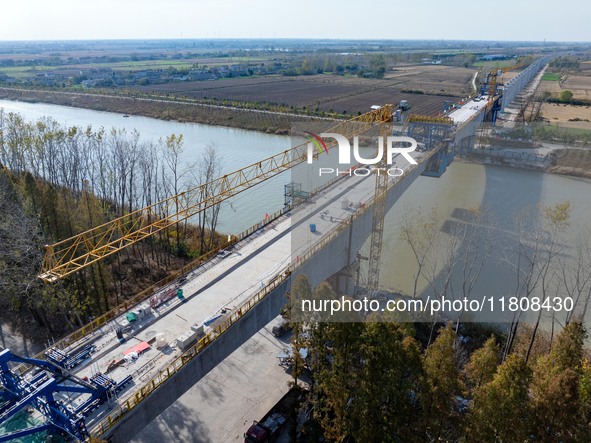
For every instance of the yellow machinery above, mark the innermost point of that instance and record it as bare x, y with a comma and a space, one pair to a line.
379, 213
84, 249
492, 77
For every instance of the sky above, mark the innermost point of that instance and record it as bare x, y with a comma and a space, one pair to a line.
564, 20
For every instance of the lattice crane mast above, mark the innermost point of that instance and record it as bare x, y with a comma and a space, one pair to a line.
379, 213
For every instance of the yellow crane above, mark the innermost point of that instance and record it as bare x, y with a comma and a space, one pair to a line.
379, 214
82, 250
493, 75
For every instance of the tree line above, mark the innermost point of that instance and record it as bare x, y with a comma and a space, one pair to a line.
58, 181
381, 381
381, 377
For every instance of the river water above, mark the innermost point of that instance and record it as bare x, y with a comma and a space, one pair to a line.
504, 191
237, 147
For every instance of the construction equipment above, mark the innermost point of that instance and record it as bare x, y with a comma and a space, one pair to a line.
68, 361
45, 391
490, 86
379, 213
432, 133
82, 250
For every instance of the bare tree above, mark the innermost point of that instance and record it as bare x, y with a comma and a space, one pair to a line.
575, 275
172, 152
531, 258
420, 231
209, 168
476, 248
213, 163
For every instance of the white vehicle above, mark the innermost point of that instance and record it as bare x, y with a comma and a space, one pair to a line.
223, 253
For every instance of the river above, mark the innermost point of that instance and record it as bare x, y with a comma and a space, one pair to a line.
504, 191
237, 147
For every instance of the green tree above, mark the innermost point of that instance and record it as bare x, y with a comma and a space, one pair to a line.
385, 406
443, 384
377, 63
585, 400
500, 409
300, 290
555, 387
555, 403
483, 363
337, 383
566, 96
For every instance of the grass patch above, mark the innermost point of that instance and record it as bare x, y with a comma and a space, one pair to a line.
551, 77
494, 64
557, 130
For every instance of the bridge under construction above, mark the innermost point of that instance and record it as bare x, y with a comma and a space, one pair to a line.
106, 376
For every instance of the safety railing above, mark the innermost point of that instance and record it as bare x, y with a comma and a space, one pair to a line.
98, 322
129, 403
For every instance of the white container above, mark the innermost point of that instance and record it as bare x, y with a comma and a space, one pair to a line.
344, 204
161, 341
186, 340
198, 329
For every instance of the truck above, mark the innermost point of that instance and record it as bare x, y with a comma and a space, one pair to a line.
404, 105
270, 426
266, 430
281, 328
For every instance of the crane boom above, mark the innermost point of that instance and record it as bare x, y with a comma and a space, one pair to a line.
82, 250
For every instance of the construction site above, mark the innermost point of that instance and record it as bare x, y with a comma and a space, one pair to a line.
126, 367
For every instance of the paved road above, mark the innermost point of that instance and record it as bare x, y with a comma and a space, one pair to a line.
222, 405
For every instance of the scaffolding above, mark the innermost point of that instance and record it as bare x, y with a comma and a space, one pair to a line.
293, 194
433, 133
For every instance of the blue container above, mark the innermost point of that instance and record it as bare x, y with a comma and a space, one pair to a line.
312, 227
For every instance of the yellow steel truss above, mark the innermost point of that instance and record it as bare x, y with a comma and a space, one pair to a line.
82, 250
416, 118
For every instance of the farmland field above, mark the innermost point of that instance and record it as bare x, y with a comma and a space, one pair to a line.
580, 85
565, 114
550, 86
552, 77
427, 88
494, 64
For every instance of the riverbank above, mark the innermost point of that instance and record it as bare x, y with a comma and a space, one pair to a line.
567, 161
572, 162
215, 115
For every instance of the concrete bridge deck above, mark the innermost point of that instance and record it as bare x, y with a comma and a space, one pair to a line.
227, 283
222, 283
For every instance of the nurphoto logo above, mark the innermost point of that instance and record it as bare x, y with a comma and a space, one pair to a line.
392, 148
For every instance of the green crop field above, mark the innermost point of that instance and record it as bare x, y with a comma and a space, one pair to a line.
22, 72
551, 77
494, 64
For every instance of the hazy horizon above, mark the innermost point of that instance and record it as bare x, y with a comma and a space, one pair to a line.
541, 42
505, 20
